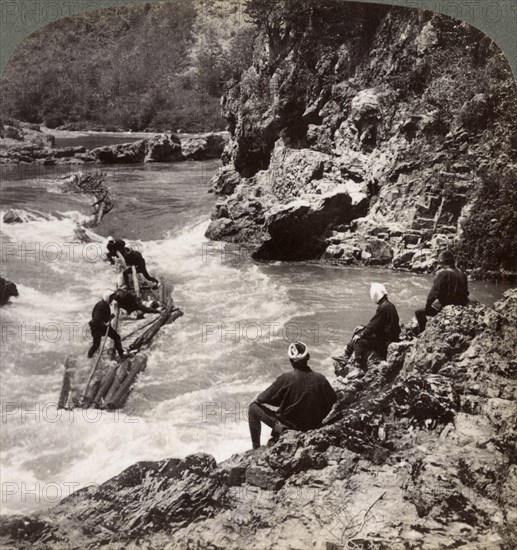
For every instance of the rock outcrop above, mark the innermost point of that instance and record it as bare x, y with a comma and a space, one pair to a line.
419, 454
159, 148
406, 109
7, 290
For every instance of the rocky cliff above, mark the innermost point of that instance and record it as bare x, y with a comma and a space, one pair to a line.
370, 134
420, 454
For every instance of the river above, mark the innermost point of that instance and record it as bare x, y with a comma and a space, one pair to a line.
203, 370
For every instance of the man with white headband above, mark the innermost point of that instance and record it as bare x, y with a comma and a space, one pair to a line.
377, 335
303, 397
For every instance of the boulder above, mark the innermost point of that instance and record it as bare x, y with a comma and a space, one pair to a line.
166, 148
67, 152
194, 148
334, 251
296, 229
12, 216
122, 153
220, 229
381, 252
423, 261
7, 290
403, 258
225, 181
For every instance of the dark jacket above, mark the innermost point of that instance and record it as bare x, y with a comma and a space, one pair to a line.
450, 287
114, 247
384, 325
135, 258
304, 398
101, 315
126, 300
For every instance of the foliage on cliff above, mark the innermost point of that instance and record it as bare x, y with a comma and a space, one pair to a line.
404, 110
159, 66
489, 237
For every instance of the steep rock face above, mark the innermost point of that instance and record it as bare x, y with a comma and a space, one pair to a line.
419, 454
408, 108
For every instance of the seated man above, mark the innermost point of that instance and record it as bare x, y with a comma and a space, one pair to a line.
130, 303
377, 335
303, 397
100, 325
114, 247
450, 287
134, 258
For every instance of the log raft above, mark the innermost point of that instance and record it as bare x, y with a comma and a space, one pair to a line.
105, 381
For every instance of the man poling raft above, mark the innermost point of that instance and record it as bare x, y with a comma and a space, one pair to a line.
100, 325
303, 397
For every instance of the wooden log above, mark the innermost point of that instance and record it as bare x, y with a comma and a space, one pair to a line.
97, 361
136, 284
100, 213
114, 324
65, 389
120, 376
92, 390
168, 316
106, 384
121, 259
120, 397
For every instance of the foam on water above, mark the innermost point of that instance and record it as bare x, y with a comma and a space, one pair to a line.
203, 370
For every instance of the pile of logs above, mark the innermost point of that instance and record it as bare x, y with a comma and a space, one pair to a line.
92, 183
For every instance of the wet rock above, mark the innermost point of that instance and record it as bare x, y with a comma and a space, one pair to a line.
204, 146
12, 216
423, 261
166, 148
122, 153
403, 258
7, 290
221, 229
225, 181
381, 252
296, 230
68, 152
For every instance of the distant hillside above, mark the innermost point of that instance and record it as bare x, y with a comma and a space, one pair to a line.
149, 66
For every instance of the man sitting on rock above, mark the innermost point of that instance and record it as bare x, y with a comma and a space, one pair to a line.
303, 397
377, 335
450, 287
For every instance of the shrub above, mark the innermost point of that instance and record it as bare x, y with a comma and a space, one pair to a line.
489, 239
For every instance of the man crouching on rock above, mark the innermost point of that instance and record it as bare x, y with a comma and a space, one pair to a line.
377, 335
303, 397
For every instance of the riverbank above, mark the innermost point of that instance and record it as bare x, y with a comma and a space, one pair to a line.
22, 143
419, 455
378, 149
